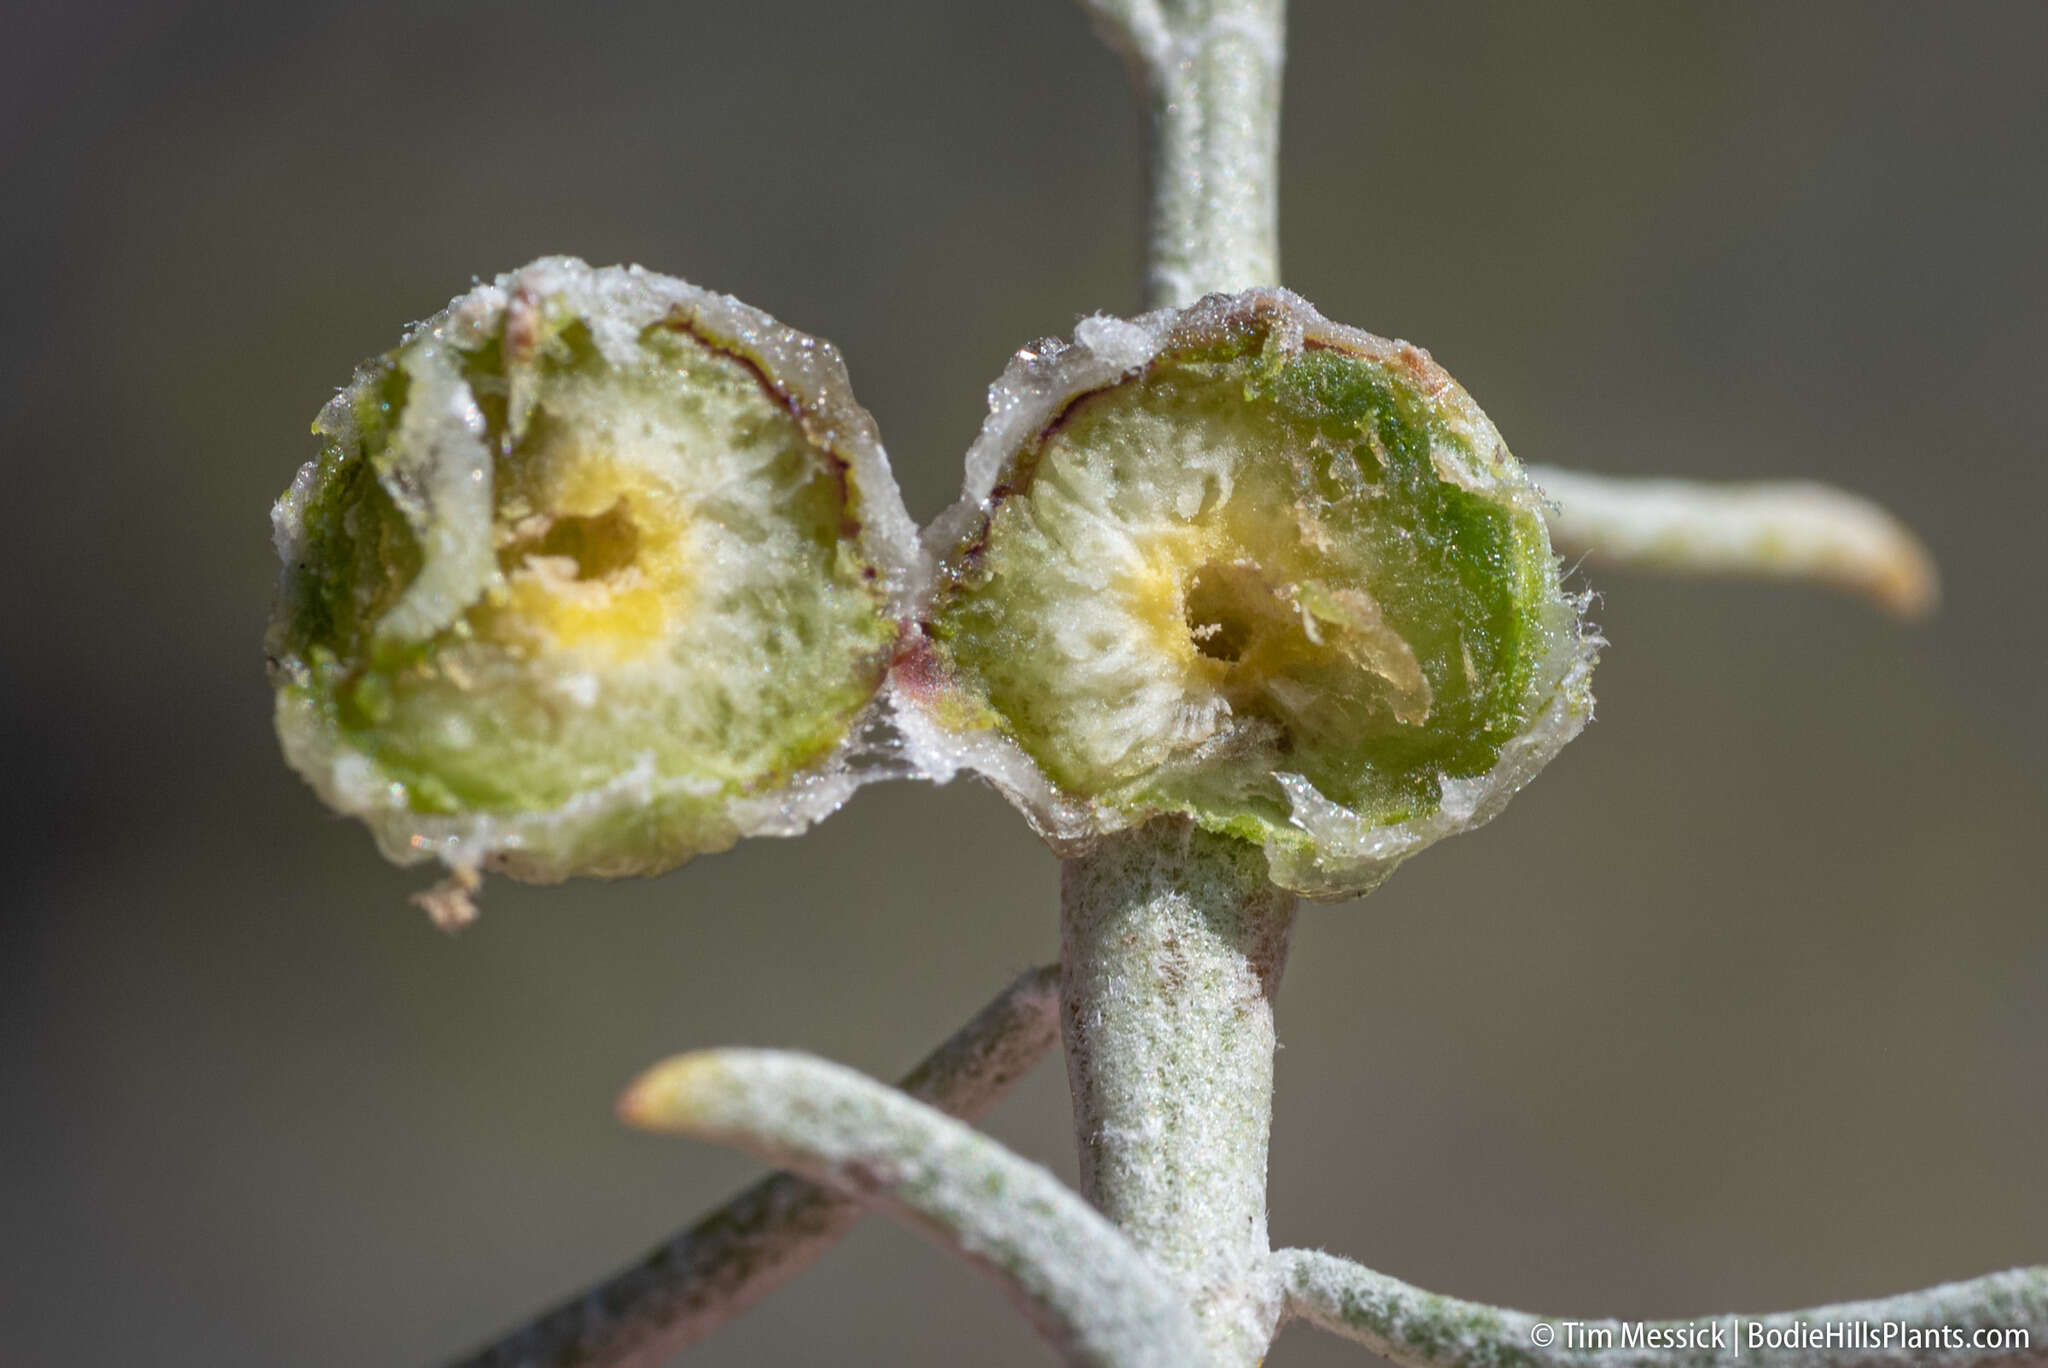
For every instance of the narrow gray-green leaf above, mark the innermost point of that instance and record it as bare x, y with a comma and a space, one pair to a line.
1790, 530
1081, 1282
733, 1257
2000, 1319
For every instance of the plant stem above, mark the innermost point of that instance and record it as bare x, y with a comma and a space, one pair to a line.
1172, 946
1211, 70
1173, 940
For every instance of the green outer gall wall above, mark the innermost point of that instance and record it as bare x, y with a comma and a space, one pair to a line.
680, 614
1339, 441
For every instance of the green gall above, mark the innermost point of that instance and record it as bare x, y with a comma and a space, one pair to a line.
1244, 565
595, 572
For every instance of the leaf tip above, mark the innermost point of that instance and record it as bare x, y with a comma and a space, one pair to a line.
1907, 584
671, 1095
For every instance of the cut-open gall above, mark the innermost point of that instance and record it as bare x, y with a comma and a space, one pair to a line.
1244, 565
595, 572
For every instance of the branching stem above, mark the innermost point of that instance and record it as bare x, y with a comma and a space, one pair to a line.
1173, 940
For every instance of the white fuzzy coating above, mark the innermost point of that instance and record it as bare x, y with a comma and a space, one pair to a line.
1347, 853
453, 488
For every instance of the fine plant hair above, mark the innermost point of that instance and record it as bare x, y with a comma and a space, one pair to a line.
1240, 606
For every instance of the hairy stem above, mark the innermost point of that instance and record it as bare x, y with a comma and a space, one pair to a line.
1425, 1330
1172, 948
1211, 71
697, 1281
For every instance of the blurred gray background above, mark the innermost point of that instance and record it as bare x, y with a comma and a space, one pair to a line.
1743, 1005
